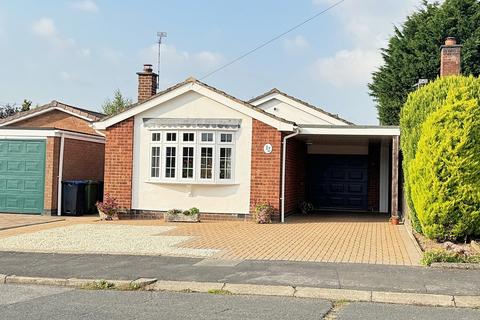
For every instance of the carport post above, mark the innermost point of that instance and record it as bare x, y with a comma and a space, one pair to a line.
395, 163
284, 155
60, 175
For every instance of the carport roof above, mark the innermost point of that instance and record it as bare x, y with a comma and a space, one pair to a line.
311, 129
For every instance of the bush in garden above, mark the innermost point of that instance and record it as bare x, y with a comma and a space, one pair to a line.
420, 104
444, 176
263, 213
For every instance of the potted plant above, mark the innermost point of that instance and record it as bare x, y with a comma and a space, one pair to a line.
395, 220
263, 213
108, 209
176, 215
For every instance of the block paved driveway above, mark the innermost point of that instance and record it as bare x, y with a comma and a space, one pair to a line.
341, 237
10, 221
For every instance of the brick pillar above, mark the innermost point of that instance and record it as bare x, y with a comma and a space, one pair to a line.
52, 154
266, 167
119, 162
147, 83
450, 58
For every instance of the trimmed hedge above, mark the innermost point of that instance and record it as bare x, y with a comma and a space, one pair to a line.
444, 176
420, 104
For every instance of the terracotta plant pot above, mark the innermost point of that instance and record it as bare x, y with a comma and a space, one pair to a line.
395, 220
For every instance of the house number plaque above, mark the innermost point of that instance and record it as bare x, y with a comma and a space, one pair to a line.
267, 148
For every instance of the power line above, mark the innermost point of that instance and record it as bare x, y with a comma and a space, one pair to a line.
264, 44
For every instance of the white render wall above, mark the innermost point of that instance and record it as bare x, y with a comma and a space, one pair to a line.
291, 113
221, 198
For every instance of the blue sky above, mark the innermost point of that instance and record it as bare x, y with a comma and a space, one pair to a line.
80, 51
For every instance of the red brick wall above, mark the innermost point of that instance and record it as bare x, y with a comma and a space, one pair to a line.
119, 162
147, 85
373, 189
51, 175
83, 160
295, 174
265, 168
57, 119
450, 61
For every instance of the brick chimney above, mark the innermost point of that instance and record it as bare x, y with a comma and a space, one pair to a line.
450, 58
147, 83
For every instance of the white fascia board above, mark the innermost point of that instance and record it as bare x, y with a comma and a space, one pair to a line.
276, 123
351, 131
301, 106
102, 125
35, 114
263, 117
43, 134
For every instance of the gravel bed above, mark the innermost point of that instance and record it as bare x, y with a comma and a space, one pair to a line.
104, 239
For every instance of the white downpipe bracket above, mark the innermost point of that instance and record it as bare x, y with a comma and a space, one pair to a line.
284, 154
60, 175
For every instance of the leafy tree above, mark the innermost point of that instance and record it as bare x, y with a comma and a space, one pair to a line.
117, 104
419, 106
26, 104
8, 110
413, 52
445, 174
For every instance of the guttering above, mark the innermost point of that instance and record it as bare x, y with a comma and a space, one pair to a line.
284, 154
60, 174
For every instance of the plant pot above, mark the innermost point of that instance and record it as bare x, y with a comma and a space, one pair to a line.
180, 217
106, 217
395, 220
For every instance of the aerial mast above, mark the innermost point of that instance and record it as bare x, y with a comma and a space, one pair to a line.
160, 36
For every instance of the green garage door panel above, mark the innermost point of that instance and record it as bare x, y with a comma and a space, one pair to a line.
22, 176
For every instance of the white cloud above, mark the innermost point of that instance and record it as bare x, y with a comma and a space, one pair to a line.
179, 64
45, 29
346, 67
296, 44
111, 55
85, 6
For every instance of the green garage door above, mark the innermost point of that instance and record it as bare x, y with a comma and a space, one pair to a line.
22, 176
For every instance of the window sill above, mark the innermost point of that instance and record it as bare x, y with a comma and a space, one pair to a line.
200, 183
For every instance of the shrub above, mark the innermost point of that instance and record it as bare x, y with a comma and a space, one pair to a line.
438, 255
263, 213
174, 212
109, 206
420, 104
444, 176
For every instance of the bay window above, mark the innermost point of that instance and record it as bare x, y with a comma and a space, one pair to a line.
192, 156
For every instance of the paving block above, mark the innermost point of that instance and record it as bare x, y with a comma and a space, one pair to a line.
255, 289
333, 294
185, 286
36, 280
467, 301
413, 298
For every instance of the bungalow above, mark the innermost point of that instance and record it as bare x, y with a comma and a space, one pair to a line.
193, 145
42, 147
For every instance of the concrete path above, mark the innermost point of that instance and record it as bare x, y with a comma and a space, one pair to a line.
308, 274
11, 221
50, 303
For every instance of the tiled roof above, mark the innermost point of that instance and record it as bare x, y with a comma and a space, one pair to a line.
94, 116
275, 90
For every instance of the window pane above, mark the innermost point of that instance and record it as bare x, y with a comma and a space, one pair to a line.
156, 136
188, 137
187, 163
206, 163
170, 157
225, 137
155, 167
171, 136
207, 137
225, 163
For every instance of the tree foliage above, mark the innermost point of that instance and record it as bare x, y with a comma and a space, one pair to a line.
413, 52
8, 110
445, 174
26, 105
118, 104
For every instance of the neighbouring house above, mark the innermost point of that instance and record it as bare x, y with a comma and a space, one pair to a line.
42, 147
193, 145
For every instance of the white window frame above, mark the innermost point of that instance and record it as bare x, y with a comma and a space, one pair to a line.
197, 146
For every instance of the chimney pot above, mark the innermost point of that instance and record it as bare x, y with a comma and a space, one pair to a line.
450, 41
147, 68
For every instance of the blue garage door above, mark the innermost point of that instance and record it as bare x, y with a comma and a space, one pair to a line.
337, 181
22, 176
